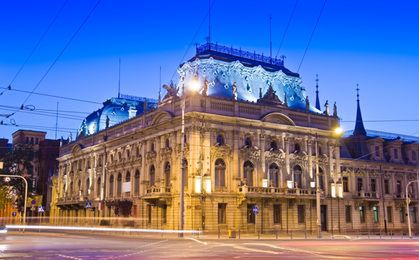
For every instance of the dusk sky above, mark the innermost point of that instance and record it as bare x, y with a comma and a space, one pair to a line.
372, 43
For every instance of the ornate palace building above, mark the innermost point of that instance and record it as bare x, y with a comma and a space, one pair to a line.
249, 158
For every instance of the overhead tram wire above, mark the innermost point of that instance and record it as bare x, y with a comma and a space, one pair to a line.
61, 53
36, 46
286, 28
52, 96
194, 36
311, 35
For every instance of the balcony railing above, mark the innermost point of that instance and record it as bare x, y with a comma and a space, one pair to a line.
276, 191
158, 190
239, 53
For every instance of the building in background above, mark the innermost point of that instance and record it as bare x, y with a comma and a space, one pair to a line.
42, 166
249, 162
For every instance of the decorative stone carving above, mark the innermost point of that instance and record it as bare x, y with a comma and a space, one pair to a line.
165, 153
251, 153
223, 152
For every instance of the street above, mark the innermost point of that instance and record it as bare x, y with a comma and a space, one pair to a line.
15, 245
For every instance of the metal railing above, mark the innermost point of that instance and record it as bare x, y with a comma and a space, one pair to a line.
238, 53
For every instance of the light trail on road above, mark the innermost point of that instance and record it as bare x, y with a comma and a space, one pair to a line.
103, 229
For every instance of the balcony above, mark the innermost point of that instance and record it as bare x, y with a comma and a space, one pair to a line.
153, 193
274, 192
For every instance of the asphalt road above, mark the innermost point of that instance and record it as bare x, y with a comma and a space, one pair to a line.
91, 246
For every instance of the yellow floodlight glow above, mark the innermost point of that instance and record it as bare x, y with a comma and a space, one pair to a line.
195, 85
338, 131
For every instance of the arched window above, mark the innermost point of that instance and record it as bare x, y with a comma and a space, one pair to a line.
167, 143
79, 185
248, 173
111, 182
111, 158
185, 173
128, 177
128, 154
119, 185
119, 156
414, 157
248, 142
167, 174
220, 140
220, 169
274, 175
297, 174
152, 174
137, 182
98, 187
152, 147
71, 188
273, 146
297, 148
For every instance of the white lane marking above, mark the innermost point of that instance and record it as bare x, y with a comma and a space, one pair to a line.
137, 252
198, 241
246, 248
318, 254
69, 257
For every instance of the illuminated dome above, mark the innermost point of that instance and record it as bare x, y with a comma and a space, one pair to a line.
251, 74
117, 109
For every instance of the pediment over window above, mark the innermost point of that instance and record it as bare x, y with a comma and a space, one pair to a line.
278, 118
161, 117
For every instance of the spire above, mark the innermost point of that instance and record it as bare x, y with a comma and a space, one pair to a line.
359, 124
317, 93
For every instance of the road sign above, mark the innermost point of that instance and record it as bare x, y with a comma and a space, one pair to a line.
88, 204
41, 209
14, 214
255, 209
33, 202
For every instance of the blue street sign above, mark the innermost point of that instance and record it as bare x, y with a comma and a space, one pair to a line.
14, 214
41, 209
88, 204
255, 209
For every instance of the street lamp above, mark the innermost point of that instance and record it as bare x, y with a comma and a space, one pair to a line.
337, 132
194, 87
407, 207
26, 192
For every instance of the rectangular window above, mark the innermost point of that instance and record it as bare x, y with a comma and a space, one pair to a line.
376, 213
362, 214
222, 209
348, 214
398, 188
402, 215
149, 213
360, 184
164, 214
377, 151
396, 154
345, 184
387, 186
301, 214
389, 214
277, 213
373, 185
413, 214
251, 216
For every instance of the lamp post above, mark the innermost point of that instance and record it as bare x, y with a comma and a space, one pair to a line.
407, 207
318, 211
26, 192
194, 86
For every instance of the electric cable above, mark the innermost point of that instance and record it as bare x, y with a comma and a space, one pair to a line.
286, 28
36, 45
311, 35
61, 53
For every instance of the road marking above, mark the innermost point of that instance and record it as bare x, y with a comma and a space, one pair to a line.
247, 248
69, 257
198, 241
138, 252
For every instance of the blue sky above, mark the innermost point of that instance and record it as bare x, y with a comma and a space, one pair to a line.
373, 43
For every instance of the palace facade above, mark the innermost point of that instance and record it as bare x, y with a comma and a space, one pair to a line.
249, 160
